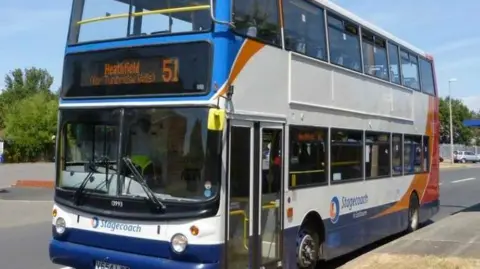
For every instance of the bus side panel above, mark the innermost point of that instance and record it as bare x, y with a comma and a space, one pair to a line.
430, 203
351, 236
353, 214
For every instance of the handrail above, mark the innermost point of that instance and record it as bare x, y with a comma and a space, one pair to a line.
306, 172
323, 170
212, 16
272, 205
145, 13
245, 225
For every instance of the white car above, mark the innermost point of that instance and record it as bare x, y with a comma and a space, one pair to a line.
465, 156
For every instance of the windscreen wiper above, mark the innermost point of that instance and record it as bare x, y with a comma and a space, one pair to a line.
139, 178
78, 193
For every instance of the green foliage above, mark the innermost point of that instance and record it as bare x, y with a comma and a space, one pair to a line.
460, 112
21, 84
28, 115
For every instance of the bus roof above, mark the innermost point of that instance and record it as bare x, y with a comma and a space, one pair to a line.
349, 15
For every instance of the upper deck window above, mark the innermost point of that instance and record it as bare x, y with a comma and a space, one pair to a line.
426, 71
94, 20
304, 28
344, 43
409, 70
374, 55
258, 19
394, 63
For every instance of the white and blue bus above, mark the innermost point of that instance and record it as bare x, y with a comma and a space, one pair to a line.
237, 134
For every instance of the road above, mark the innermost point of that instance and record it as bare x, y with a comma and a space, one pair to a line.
26, 228
459, 189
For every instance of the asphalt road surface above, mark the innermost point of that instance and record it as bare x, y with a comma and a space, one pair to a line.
25, 227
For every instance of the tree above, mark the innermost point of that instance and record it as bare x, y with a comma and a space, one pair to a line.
22, 84
30, 124
460, 112
28, 114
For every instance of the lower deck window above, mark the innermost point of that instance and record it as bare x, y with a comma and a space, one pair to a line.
346, 154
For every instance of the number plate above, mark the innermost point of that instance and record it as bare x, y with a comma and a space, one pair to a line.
106, 265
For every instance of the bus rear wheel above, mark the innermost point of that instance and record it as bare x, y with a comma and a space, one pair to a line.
413, 213
308, 246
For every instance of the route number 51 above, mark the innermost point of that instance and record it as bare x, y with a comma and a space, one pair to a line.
170, 70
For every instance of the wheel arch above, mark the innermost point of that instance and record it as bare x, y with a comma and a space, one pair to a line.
314, 219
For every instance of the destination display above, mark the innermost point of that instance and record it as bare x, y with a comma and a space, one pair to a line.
173, 69
132, 71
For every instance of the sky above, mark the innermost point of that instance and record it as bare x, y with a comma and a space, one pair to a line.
33, 34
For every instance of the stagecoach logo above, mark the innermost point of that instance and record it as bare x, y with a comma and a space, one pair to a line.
94, 222
334, 210
114, 226
348, 204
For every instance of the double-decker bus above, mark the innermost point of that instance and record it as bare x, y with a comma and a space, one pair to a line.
238, 134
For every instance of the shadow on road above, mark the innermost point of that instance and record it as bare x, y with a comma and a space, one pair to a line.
340, 261
473, 208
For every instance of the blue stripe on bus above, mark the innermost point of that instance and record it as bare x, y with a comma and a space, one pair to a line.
143, 99
136, 42
81, 256
148, 247
350, 234
347, 235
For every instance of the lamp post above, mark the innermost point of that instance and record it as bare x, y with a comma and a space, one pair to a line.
451, 122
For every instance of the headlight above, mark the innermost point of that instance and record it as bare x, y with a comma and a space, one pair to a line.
60, 225
179, 243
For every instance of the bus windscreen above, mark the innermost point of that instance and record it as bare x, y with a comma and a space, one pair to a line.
173, 69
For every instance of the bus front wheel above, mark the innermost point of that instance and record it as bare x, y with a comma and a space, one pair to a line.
308, 246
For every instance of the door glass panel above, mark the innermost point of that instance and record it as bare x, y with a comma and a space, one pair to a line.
271, 180
238, 241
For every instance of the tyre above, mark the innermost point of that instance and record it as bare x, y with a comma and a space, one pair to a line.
464, 161
308, 246
413, 213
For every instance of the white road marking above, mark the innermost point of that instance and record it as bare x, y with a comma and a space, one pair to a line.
463, 180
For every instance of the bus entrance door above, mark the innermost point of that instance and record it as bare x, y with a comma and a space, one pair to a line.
254, 217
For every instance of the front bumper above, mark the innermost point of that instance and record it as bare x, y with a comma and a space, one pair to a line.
84, 257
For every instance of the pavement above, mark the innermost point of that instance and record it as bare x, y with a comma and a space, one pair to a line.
455, 231
27, 175
458, 235
25, 229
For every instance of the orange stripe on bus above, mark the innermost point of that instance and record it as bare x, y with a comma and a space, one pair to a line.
247, 51
420, 181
